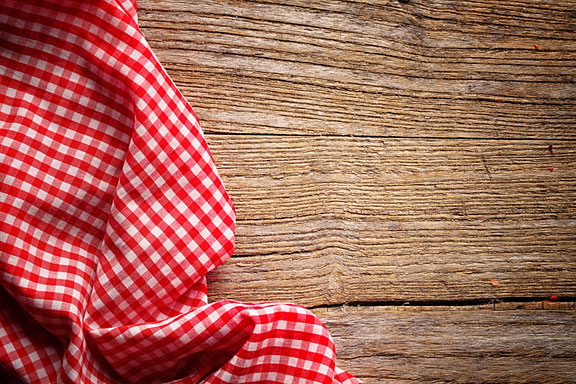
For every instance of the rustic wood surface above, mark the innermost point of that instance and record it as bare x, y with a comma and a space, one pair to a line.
395, 156
438, 345
340, 220
376, 68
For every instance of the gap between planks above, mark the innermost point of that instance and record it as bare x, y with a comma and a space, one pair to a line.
363, 136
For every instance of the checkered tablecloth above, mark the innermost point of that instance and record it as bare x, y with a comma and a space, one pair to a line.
112, 213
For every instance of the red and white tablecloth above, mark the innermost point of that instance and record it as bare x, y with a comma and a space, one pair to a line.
112, 213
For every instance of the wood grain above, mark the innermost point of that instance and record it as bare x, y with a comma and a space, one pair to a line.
395, 155
336, 220
372, 68
448, 345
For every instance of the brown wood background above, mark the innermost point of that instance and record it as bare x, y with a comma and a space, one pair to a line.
387, 160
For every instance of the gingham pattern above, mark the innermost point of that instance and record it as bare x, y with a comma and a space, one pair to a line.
112, 213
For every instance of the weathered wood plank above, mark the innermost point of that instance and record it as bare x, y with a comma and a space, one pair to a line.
378, 68
462, 345
324, 220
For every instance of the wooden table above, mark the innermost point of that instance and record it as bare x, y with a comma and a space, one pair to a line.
406, 169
